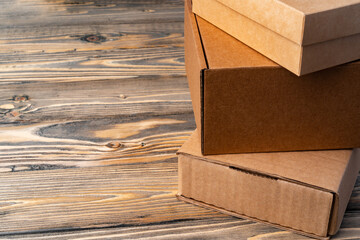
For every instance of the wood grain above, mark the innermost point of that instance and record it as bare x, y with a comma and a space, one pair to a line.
126, 202
94, 104
78, 73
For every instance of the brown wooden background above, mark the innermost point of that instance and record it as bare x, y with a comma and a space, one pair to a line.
94, 104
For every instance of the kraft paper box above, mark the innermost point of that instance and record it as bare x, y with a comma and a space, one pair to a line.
305, 192
244, 102
302, 36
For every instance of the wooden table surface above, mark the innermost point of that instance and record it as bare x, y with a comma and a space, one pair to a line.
94, 104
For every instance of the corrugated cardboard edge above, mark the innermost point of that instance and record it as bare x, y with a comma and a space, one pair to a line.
344, 192
302, 48
208, 206
202, 104
197, 56
195, 60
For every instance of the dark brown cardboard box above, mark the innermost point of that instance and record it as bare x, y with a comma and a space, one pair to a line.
305, 192
244, 102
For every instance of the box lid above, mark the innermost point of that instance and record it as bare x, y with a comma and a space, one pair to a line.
299, 59
304, 22
333, 171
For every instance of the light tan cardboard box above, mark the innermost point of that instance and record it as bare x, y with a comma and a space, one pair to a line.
244, 102
305, 192
302, 36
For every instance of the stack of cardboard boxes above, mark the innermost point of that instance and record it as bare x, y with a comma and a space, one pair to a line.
276, 144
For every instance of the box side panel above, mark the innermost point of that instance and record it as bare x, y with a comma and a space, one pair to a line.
332, 24
278, 48
324, 169
345, 189
272, 14
194, 60
267, 109
266, 199
221, 210
330, 53
311, 6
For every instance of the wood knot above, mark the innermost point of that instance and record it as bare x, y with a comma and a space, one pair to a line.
12, 114
115, 145
122, 96
93, 38
20, 98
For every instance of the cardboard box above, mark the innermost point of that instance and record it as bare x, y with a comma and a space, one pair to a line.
305, 192
302, 36
244, 102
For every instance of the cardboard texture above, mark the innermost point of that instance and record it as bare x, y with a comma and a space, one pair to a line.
302, 36
305, 192
304, 22
195, 61
244, 102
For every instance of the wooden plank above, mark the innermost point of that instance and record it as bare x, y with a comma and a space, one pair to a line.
99, 196
129, 201
96, 142
78, 73
71, 41
95, 99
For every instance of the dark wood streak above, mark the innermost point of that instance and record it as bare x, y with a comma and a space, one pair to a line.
94, 104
